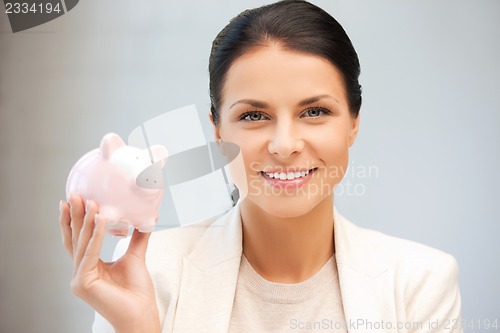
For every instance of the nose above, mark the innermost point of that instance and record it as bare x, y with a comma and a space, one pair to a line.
285, 140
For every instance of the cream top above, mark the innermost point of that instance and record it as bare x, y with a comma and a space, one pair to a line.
264, 306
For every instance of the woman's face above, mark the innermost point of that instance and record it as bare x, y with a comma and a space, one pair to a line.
288, 113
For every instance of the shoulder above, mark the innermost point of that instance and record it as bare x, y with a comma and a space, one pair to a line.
424, 277
397, 254
404, 254
204, 244
174, 242
179, 240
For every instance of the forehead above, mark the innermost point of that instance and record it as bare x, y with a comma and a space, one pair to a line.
282, 76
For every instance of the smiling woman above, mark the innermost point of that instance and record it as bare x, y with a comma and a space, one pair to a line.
288, 112
284, 88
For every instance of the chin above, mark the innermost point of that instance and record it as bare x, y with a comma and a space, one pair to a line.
283, 212
286, 207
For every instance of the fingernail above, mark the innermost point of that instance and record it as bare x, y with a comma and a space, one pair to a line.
87, 204
71, 200
60, 205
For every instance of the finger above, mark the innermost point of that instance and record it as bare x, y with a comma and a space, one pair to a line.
64, 224
86, 232
139, 243
90, 258
77, 212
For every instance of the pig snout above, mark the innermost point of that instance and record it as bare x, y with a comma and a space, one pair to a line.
151, 177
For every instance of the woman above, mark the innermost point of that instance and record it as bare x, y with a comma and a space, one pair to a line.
284, 88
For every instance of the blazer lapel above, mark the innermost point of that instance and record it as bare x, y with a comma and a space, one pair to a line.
210, 275
366, 282
209, 278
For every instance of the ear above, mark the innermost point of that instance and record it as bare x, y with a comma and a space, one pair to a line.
216, 128
353, 131
160, 153
109, 143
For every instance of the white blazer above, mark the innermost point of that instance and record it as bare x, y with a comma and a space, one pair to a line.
387, 284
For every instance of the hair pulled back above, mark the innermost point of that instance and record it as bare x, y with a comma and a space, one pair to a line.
293, 25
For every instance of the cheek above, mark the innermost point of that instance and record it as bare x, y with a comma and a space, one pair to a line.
244, 167
238, 171
253, 148
332, 146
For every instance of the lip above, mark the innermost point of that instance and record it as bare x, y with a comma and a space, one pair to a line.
288, 184
287, 170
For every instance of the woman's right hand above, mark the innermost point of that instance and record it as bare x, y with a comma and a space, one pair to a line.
121, 291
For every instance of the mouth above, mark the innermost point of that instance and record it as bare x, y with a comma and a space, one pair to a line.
288, 179
284, 176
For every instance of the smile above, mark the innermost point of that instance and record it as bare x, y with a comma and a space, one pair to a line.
288, 179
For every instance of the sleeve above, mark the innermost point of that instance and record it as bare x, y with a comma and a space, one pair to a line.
436, 302
101, 325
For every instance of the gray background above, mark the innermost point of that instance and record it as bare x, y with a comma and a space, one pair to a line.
429, 124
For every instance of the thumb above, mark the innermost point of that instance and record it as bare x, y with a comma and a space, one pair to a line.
139, 243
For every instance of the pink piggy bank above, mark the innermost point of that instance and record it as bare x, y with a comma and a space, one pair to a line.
125, 181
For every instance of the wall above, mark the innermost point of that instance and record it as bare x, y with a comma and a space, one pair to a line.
429, 129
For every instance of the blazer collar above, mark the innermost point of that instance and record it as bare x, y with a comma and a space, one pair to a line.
353, 246
209, 278
366, 283
210, 274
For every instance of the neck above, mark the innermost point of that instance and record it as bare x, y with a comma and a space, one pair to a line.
288, 249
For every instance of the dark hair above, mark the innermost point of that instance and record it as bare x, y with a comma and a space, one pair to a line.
294, 25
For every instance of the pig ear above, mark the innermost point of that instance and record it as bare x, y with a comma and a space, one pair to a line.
109, 143
160, 153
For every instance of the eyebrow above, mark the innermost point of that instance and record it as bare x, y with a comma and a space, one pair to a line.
263, 105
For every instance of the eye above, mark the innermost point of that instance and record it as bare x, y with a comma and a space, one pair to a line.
252, 116
315, 112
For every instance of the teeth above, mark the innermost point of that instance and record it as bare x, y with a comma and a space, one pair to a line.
287, 176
